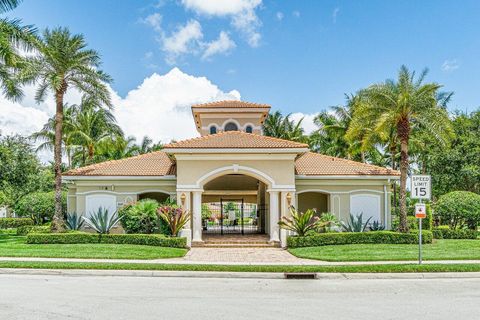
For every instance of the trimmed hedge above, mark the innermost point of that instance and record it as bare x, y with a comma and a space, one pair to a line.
7, 223
24, 230
83, 237
384, 237
447, 233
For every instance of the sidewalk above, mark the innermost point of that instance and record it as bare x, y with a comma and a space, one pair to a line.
239, 256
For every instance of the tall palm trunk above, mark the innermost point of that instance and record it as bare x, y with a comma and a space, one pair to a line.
57, 222
404, 134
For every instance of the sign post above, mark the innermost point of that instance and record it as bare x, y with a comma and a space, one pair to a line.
421, 189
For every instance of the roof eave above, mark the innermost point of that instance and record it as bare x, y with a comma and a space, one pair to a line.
350, 176
235, 150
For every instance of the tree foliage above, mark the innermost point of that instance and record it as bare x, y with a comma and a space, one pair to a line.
459, 209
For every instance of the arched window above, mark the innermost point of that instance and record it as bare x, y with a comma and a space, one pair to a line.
231, 127
249, 129
213, 130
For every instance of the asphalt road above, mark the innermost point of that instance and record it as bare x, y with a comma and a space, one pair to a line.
90, 297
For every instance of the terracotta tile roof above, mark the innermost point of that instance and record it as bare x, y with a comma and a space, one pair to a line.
156, 163
235, 140
231, 104
315, 164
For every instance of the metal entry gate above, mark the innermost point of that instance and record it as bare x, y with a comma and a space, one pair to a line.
231, 216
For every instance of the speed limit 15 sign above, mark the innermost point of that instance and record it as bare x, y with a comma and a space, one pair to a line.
421, 187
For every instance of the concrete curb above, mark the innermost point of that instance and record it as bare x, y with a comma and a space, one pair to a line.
236, 275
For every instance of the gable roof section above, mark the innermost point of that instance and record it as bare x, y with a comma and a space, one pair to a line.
235, 140
156, 163
230, 104
316, 164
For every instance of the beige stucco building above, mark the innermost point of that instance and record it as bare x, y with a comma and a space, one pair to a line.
233, 179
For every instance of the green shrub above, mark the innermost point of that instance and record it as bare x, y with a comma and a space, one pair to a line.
445, 232
24, 230
40, 206
385, 237
141, 217
412, 222
7, 223
459, 209
83, 237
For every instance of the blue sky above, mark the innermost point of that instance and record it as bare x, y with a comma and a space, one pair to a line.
298, 56
305, 62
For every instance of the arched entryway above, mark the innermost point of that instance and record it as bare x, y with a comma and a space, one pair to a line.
234, 204
236, 183
158, 196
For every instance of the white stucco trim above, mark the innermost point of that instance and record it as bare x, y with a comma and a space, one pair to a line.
239, 126
125, 193
343, 177
339, 192
71, 178
235, 168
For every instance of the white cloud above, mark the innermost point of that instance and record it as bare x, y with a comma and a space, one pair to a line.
184, 40
221, 8
307, 124
279, 16
159, 108
335, 13
450, 65
16, 118
222, 45
296, 13
155, 21
241, 12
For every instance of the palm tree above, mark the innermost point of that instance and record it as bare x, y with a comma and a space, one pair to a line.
64, 62
407, 105
47, 135
116, 147
13, 36
90, 125
278, 126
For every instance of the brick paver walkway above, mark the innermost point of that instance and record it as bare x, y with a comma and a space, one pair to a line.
244, 255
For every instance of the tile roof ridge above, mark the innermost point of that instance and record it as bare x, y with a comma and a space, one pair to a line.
210, 136
108, 162
353, 161
219, 102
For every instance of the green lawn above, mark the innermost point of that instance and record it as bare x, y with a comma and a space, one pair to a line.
13, 246
439, 250
407, 268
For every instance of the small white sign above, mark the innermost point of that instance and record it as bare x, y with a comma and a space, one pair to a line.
420, 210
421, 187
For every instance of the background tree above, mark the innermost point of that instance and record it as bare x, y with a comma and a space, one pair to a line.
457, 165
408, 105
278, 126
64, 62
20, 170
13, 36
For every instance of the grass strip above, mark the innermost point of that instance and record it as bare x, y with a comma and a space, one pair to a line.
385, 268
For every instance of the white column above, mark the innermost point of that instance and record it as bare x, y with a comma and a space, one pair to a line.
274, 216
183, 200
197, 216
285, 209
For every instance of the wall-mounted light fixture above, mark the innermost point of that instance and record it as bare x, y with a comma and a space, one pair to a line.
182, 198
289, 198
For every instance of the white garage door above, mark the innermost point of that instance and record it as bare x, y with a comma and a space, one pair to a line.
94, 202
368, 204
